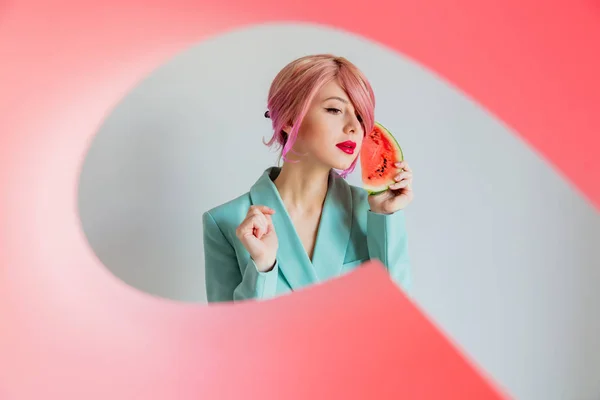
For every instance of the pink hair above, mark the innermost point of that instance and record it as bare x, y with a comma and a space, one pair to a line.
295, 86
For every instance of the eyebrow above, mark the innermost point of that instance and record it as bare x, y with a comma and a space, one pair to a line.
336, 98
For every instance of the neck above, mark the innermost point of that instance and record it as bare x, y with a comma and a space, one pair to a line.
302, 186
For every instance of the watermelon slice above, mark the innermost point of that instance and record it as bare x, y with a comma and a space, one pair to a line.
379, 152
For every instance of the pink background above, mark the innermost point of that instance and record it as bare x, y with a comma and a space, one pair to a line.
69, 329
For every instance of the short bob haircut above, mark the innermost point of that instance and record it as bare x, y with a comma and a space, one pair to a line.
295, 86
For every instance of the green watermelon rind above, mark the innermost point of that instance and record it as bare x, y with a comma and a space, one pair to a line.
376, 191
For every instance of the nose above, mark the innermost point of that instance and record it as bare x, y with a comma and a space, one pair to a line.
353, 126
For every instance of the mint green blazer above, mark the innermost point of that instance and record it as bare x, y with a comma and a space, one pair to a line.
349, 234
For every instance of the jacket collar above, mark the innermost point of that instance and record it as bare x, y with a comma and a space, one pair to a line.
332, 236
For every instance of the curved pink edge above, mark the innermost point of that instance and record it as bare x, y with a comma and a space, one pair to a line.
166, 30
514, 49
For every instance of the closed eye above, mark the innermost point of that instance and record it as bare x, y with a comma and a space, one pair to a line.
337, 111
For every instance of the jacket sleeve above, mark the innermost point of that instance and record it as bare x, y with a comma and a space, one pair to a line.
387, 241
224, 279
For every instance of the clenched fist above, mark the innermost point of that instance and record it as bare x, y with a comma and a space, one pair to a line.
257, 234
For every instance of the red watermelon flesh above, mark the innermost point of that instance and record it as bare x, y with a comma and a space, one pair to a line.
378, 154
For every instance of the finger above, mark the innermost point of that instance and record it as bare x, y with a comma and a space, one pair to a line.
259, 218
403, 165
270, 225
247, 228
260, 209
401, 185
253, 211
258, 232
252, 225
264, 223
259, 222
409, 186
402, 176
270, 229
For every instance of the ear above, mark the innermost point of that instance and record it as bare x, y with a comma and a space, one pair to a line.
287, 129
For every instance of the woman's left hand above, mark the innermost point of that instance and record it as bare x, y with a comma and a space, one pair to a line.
398, 197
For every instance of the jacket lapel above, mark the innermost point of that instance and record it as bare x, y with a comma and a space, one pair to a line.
332, 236
293, 261
334, 229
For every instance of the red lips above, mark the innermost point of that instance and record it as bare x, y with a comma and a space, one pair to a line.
347, 147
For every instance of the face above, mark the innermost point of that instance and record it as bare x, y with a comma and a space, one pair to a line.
331, 133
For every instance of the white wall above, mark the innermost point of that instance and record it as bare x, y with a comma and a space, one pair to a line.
505, 252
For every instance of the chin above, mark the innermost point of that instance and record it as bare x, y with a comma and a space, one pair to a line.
342, 167
343, 164
337, 161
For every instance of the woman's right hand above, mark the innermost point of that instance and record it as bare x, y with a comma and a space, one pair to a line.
257, 234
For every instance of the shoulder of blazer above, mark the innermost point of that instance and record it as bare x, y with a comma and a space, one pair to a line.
231, 213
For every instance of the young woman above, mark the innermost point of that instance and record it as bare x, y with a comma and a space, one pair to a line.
302, 223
